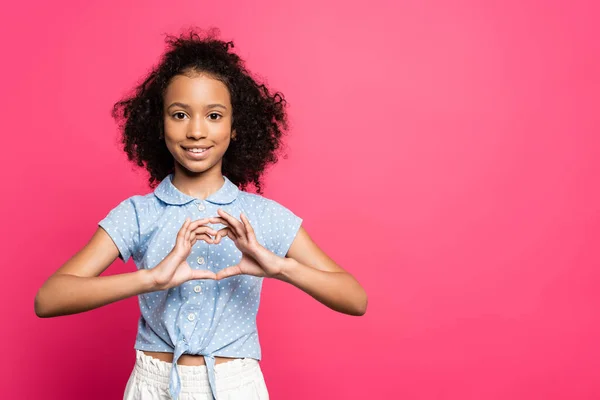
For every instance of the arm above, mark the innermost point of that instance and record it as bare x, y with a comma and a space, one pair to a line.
308, 268
76, 287
305, 266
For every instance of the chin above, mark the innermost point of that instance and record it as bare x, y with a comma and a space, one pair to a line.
196, 167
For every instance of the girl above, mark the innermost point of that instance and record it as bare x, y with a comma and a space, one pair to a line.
204, 129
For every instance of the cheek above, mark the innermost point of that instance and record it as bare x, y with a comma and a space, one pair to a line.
172, 148
171, 138
174, 131
168, 126
223, 134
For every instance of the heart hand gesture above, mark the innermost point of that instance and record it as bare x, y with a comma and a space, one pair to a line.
256, 260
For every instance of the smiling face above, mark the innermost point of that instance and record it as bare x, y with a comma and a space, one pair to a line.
197, 123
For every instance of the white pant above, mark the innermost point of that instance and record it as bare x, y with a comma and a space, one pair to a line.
240, 379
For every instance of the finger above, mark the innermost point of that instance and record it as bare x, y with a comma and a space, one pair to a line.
221, 234
187, 219
205, 229
218, 220
203, 274
191, 227
184, 228
237, 226
229, 271
217, 239
205, 237
199, 222
246, 222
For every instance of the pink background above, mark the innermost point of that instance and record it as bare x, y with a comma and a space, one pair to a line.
445, 153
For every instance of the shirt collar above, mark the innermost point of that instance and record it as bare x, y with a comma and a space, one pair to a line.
168, 193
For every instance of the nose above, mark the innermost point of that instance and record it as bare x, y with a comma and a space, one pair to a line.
196, 130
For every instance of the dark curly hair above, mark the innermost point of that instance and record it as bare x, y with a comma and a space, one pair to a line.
259, 117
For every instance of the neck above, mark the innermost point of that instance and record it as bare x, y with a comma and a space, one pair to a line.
199, 185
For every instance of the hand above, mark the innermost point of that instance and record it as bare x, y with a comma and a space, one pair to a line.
174, 269
256, 260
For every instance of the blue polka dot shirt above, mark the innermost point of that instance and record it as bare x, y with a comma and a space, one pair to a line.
201, 317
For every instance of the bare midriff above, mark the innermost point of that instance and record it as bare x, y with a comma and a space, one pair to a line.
185, 359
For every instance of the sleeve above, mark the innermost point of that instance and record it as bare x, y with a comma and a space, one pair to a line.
280, 227
122, 226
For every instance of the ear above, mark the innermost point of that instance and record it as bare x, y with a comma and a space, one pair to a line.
233, 134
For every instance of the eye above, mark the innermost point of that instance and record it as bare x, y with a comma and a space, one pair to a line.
179, 115
213, 115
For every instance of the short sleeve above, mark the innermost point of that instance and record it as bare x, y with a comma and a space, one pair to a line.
280, 227
122, 226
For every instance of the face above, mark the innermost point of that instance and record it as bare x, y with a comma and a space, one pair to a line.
197, 123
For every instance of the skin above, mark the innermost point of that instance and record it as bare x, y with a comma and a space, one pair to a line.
192, 117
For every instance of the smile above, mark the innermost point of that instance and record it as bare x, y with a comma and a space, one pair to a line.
196, 153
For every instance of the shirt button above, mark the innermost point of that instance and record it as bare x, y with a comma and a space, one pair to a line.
200, 260
197, 288
191, 317
201, 207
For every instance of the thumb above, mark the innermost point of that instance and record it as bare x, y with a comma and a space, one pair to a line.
229, 271
203, 274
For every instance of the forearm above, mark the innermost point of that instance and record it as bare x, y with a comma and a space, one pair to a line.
64, 294
339, 291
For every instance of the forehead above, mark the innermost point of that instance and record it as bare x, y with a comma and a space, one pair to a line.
196, 89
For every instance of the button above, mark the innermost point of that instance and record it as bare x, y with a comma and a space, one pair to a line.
197, 288
200, 260
201, 207
191, 317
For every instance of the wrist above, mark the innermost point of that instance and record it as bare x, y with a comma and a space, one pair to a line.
287, 268
147, 280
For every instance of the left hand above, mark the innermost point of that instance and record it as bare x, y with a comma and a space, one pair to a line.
256, 260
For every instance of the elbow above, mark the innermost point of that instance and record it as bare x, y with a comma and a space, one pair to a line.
358, 301
360, 308
40, 306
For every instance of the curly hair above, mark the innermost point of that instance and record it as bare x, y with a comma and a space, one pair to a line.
259, 117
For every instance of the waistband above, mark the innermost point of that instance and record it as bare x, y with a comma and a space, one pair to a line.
194, 377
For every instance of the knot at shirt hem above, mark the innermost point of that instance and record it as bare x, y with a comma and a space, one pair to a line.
175, 378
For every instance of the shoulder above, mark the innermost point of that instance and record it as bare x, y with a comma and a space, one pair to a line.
134, 211
262, 207
122, 224
134, 204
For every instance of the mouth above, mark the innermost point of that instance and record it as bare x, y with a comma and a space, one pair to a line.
197, 153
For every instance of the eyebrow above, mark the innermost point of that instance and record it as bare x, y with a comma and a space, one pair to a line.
187, 107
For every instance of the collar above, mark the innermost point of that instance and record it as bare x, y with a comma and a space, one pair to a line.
168, 193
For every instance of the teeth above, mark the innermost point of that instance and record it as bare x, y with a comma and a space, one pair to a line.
197, 150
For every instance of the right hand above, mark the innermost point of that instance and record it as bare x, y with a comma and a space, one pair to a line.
174, 269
